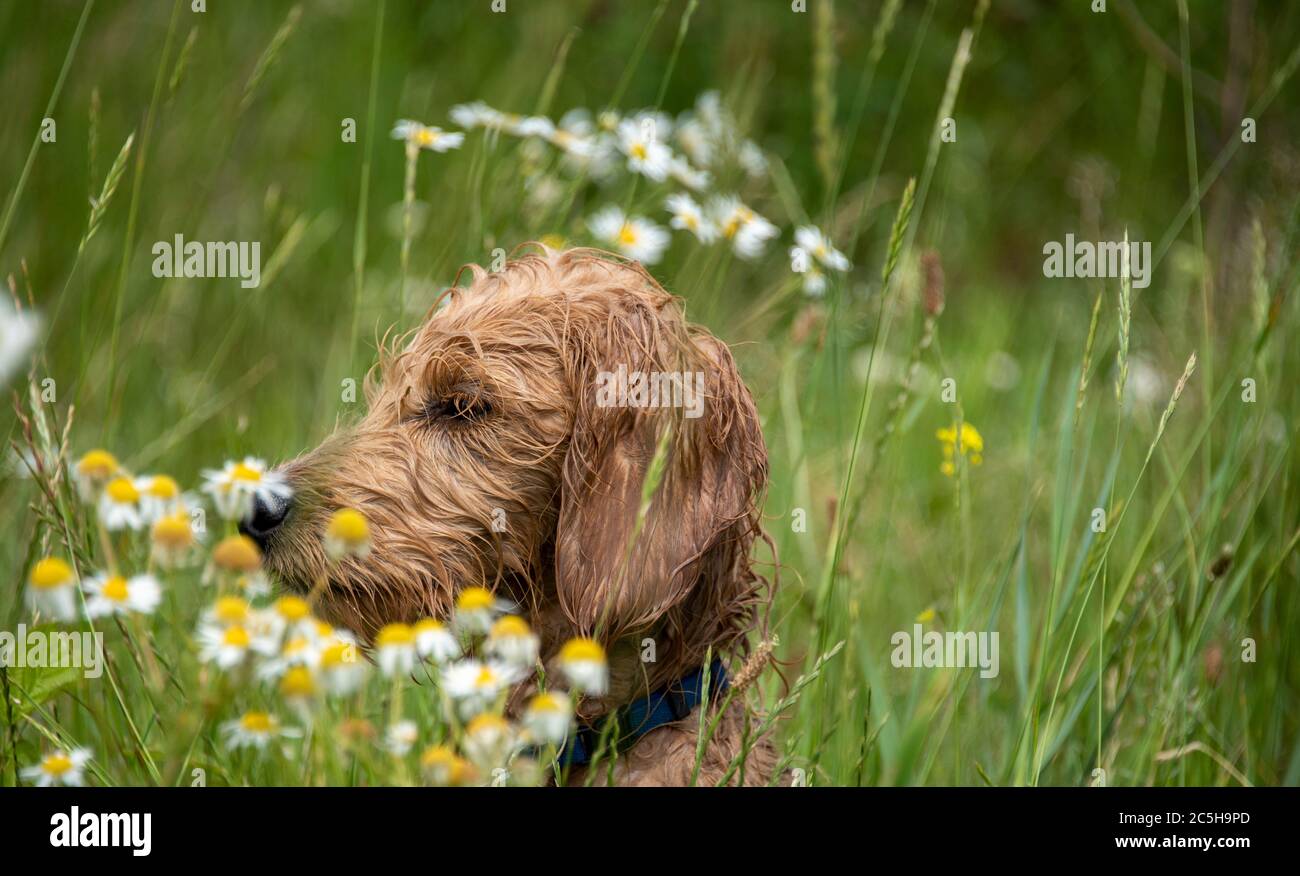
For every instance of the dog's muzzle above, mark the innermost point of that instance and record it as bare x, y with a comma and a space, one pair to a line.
265, 519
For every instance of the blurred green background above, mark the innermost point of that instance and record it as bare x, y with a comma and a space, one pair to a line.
1067, 121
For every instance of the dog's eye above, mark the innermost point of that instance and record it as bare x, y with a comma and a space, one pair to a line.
459, 405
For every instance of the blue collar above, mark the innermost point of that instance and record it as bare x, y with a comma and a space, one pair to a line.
666, 705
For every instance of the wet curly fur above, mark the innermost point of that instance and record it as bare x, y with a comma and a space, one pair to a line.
485, 458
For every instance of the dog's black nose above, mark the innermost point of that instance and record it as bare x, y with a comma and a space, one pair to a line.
265, 519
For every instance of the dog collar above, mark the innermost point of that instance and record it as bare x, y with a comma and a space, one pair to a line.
670, 703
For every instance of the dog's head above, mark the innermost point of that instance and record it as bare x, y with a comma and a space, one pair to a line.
508, 444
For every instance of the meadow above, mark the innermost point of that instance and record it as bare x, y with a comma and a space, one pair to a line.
1100, 471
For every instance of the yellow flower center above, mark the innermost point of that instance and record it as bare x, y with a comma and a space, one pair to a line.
163, 487
50, 573
510, 626
297, 682
691, 221
582, 650
173, 531
115, 589
545, 702
486, 678
292, 608
474, 599
230, 609
349, 526
627, 235
395, 636
241, 472
236, 637
487, 724
256, 722
57, 764
238, 553
639, 151
97, 464
122, 491
334, 655
426, 136
437, 756
429, 625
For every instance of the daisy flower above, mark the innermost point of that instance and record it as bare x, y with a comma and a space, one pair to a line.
803, 264
511, 640
239, 556
547, 718
94, 470
530, 126
474, 686
255, 730
583, 663
633, 236
443, 767
645, 154
395, 649
401, 737
172, 540
694, 140
689, 216
488, 739
476, 115
235, 487
751, 159
226, 646
298, 687
747, 231
160, 496
341, 672
812, 241
51, 589
59, 768
119, 505
433, 641
348, 535
426, 136
474, 609
681, 170
574, 135
116, 594
19, 331
297, 652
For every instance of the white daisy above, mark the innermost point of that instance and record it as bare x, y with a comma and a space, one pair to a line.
443, 767
433, 641
173, 539
475, 609
51, 589
583, 663
474, 686
341, 670
234, 488
427, 136
689, 216
116, 594
94, 470
160, 496
395, 649
18, 333
255, 730
476, 115
751, 159
488, 739
512, 641
230, 644
645, 154
530, 126
803, 264
747, 231
681, 170
59, 768
401, 737
119, 505
819, 246
633, 236
547, 718
695, 140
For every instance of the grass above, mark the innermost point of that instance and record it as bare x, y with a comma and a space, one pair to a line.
1130, 532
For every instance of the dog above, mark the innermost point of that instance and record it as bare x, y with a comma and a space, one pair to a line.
486, 457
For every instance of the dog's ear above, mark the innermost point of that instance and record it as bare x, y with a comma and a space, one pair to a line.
685, 559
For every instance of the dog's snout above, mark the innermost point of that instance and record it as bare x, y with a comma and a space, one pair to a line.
267, 515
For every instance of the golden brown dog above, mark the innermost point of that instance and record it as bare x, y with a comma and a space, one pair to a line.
487, 458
